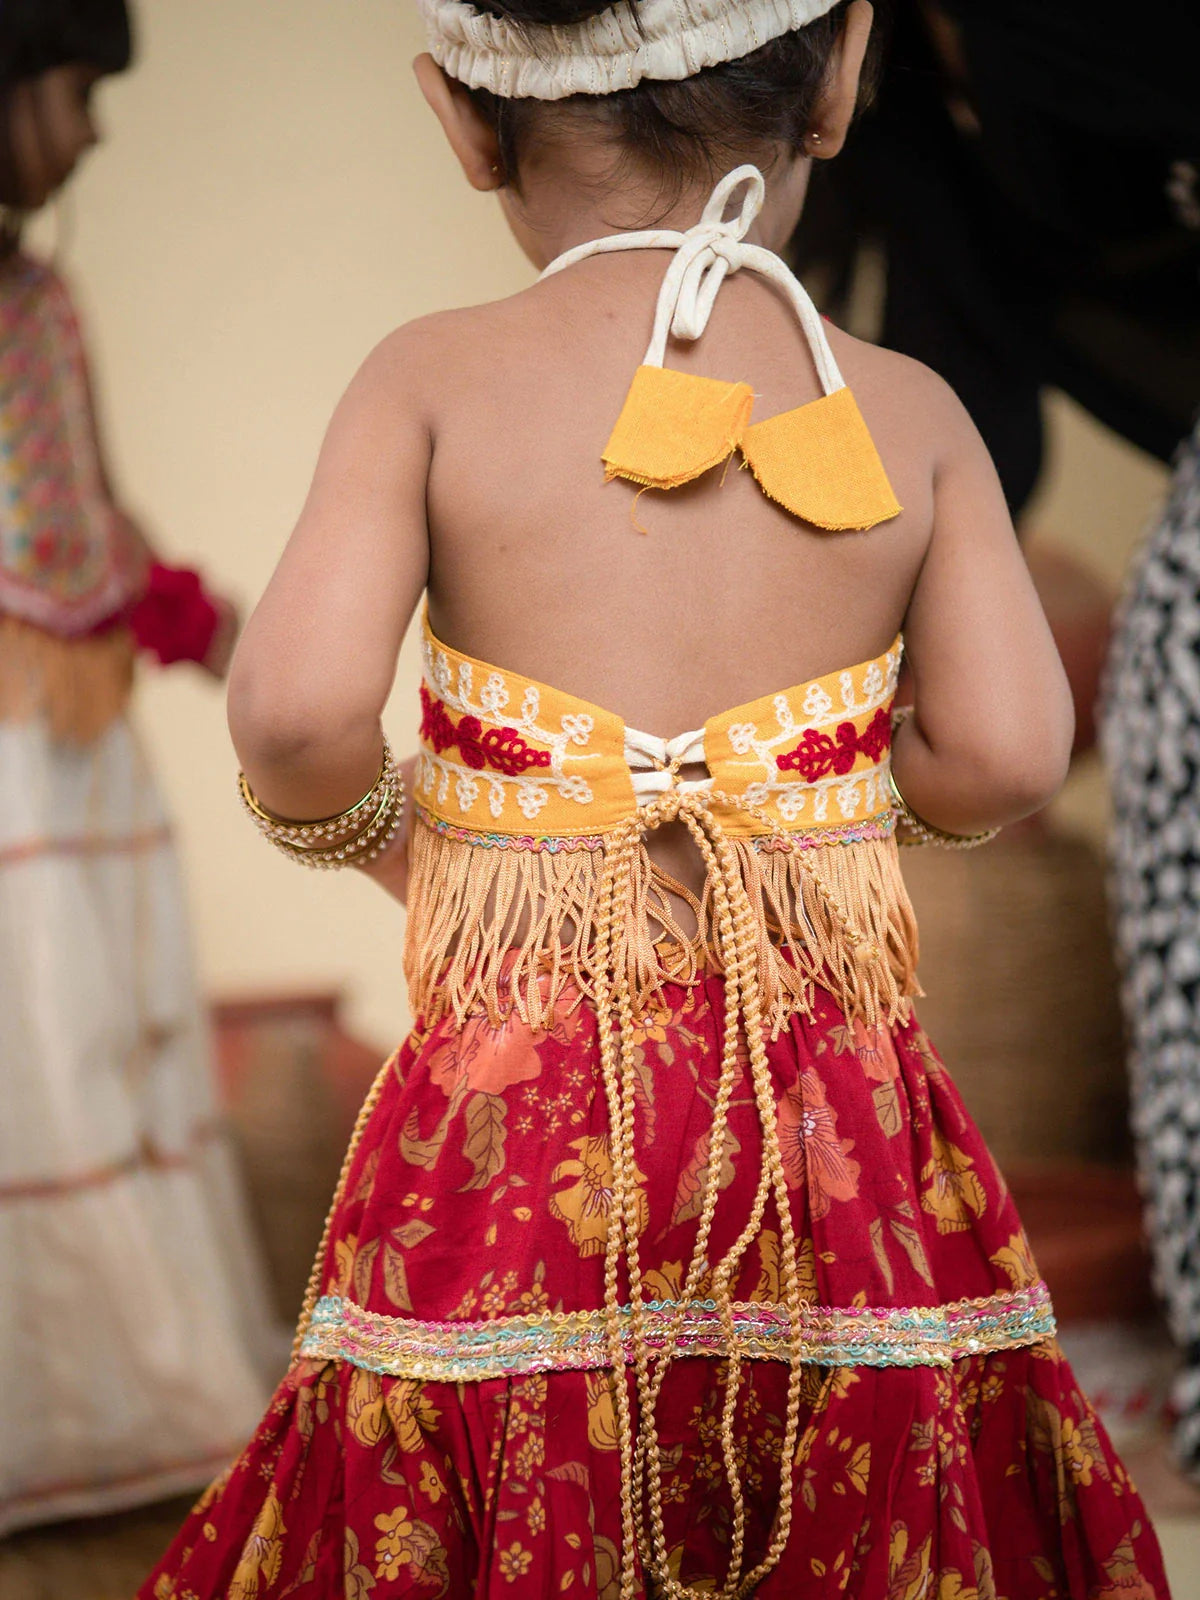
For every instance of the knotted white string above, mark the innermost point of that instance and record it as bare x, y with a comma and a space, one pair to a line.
705, 255
654, 762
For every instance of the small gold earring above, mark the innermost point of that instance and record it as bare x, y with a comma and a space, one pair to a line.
814, 138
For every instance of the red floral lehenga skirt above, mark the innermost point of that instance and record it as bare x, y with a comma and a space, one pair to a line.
449, 1430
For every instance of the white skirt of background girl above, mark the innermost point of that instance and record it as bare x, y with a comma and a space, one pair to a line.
136, 1341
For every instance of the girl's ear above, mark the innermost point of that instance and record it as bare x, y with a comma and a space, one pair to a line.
835, 110
468, 133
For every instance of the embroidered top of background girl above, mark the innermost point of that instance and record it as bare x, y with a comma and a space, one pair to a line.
68, 560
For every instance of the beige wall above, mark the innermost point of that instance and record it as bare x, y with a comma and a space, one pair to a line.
271, 201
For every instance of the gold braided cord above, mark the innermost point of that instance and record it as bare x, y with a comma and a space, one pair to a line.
606, 917
648, 1443
737, 938
616, 994
313, 1290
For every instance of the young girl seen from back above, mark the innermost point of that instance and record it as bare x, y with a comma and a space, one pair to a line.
666, 1260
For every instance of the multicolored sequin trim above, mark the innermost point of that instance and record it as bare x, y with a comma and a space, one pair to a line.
877, 827
552, 844
882, 826
454, 1352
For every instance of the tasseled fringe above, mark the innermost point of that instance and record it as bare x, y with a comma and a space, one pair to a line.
868, 962
501, 929
80, 686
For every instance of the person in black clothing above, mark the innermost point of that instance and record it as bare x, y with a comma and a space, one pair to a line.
1058, 158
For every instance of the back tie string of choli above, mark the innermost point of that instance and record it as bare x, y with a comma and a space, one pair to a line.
737, 938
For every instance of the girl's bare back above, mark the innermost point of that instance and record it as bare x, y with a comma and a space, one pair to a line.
722, 596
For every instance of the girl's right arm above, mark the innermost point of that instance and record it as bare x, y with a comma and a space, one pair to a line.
317, 659
990, 737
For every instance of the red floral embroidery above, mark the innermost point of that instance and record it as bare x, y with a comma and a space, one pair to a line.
818, 754
500, 748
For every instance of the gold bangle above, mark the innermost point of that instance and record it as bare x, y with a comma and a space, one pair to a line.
355, 847
319, 827
917, 830
358, 834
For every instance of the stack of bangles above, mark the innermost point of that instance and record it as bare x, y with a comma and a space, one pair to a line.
346, 840
912, 829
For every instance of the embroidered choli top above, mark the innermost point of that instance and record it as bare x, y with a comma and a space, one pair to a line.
68, 562
529, 866
524, 794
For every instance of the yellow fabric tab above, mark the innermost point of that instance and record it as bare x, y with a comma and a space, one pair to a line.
820, 463
675, 426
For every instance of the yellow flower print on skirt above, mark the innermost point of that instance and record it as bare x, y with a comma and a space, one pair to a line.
395, 1484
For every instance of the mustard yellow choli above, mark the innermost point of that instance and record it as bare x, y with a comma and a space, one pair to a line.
525, 795
529, 864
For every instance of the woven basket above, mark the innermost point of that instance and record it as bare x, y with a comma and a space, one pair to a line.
292, 1080
1021, 993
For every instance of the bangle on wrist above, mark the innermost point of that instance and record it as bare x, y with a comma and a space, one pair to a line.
913, 829
358, 834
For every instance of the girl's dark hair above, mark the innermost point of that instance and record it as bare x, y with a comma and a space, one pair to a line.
38, 35
35, 37
682, 129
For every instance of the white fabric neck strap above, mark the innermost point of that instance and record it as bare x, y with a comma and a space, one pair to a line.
704, 256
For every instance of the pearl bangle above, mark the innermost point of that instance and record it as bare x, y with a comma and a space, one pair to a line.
359, 834
915, 829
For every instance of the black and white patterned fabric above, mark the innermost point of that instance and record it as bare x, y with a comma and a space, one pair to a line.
1151, 735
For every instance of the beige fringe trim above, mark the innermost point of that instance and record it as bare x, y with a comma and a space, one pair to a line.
80, 686
502, 930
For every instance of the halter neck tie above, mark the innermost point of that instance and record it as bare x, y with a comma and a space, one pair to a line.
705, 255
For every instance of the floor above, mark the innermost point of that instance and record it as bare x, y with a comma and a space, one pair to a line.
107, 1559
104, 1559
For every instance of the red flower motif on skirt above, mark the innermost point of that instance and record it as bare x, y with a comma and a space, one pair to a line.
502, 749
813, 1154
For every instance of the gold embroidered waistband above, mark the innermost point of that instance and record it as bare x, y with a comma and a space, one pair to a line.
453, 1352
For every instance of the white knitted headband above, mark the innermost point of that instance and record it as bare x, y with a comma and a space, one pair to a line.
660, 39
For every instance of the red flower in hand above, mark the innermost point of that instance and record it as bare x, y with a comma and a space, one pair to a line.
175, 619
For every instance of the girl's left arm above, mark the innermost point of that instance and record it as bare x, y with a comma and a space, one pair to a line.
316, 662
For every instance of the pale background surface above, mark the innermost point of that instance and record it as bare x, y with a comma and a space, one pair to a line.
273, 199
